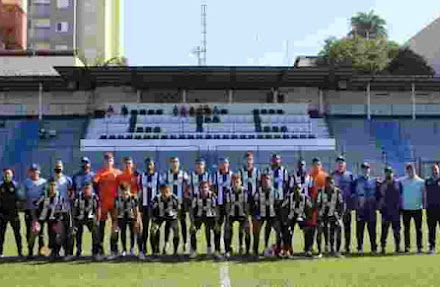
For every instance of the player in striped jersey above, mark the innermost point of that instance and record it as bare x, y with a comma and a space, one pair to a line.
85, 206
265, 209
149, 183
197, 176
221, 180
237, 210
34, 187
330, 210
204, 210
127, 206
250, 175
177, 179
280, 182
165, 209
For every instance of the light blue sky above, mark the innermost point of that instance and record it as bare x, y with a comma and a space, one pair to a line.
255, 32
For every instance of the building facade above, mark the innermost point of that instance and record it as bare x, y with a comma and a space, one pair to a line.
93, 28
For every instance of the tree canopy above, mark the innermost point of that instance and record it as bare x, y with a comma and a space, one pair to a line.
368, 25
407, 62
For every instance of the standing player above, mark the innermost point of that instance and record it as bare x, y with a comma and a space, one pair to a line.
221, 182
249, 174
8, 210
197, 176
237, 210
432, 186
204, 210
165, 209
265, 206
330, 206
390, 191
107, 186
317, 182
413, 193
86, 175
280, 182
127, 206
177, 179
366, 205
85, 206
34, 187
149, 182
130, 177
344, 180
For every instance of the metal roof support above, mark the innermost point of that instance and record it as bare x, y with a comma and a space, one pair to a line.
139, 96
369, 101
275, 96
230, 96
413, 100
183, 95
40, 101
321, 101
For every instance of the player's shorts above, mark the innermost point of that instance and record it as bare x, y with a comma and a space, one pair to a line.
104, 214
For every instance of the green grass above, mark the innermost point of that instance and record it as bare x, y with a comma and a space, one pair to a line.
402, 270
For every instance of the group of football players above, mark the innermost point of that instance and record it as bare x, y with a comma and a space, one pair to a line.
270, 199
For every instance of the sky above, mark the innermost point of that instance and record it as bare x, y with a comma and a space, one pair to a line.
255, 32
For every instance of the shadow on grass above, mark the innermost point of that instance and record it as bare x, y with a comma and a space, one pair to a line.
171, 259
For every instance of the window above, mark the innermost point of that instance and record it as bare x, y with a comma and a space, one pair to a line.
43, 34
62, 27
61, 4
41, 2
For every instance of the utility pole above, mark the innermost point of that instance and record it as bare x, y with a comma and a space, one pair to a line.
200, 51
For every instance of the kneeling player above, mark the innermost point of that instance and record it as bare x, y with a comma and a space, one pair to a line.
204, 210
84, 213
127, 206
266, 203
237, 210
330, 208
165, 209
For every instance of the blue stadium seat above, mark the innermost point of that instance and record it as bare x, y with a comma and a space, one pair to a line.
147, 137
251, 137
285, 136
150, 112
280, 112
275, 129
112, 137
243, 137
216, 120
143, 112
164, 137
284, 129
129, 137
173, 137
190, 137
271, 112
103, 137
157, 130
260, 136
258, 129
303, 136
159, 112
208, 137
234, 137
295, 136
312, 136
156, 137
139, 129
224, 112
266, 129
264, 112
225, 137
216, 136
277, 136
120, 137
138, 137
268, 136
199, 136
207, 119
182, 137
134, 112
256, 112
148, 129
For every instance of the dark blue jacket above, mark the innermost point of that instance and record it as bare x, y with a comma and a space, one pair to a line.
366, 198
432, 193
390, 200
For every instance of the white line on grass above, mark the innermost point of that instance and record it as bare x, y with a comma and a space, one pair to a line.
224, 275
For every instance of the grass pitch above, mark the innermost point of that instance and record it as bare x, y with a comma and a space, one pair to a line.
388, 270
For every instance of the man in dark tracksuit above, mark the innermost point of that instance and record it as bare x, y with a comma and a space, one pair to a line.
366, 203
345, 180
149, 188
389, 196
8, 210
237, 210
432, 186
330, 206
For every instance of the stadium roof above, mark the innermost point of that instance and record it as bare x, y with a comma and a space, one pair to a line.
215, 77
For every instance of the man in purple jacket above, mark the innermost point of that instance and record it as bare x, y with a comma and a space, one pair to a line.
432, 204
389, 197
344, 180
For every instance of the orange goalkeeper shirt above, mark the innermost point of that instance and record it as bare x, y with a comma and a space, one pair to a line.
107, 187
130, 178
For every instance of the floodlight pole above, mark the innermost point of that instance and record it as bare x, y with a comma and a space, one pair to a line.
40, 101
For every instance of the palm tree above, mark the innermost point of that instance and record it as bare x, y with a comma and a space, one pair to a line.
368, 25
